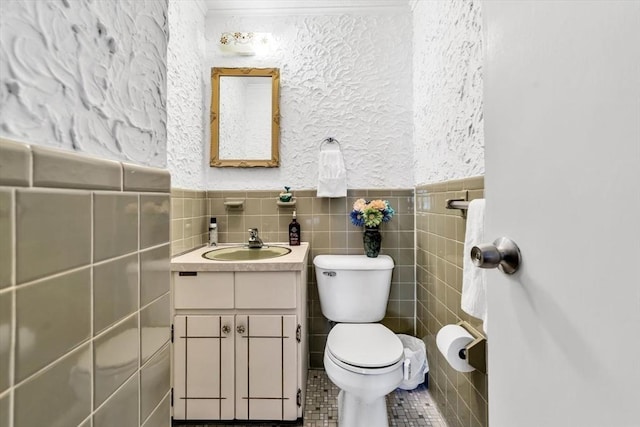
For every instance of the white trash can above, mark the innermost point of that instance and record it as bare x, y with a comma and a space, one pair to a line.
415, 362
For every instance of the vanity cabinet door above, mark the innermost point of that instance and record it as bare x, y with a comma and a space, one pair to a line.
266, 367
203, 367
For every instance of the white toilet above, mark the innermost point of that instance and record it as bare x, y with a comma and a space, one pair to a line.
362, 357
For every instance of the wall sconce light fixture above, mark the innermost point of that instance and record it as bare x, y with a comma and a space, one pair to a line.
239, 43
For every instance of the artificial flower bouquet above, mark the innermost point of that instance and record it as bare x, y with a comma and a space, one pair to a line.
371, 214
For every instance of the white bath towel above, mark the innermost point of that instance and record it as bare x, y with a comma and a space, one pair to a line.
332, 174
474, 291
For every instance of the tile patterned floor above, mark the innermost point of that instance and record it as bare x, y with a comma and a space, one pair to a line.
412, 408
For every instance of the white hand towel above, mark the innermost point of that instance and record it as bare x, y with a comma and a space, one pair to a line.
332, 174
474, 291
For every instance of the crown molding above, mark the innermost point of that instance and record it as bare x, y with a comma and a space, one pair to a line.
297, 7
202, 5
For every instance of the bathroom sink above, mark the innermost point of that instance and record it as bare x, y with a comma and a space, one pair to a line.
243, 253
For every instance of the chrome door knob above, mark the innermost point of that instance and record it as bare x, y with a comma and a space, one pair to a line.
503, 254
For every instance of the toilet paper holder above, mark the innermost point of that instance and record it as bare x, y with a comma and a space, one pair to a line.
475, 353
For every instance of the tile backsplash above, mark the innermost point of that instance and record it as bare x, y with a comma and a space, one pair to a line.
440, 233
84, 290
189, 220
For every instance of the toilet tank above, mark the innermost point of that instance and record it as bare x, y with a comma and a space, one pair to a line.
353, 288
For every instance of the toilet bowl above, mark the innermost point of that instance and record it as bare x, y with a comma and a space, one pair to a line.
366, 362
363, 358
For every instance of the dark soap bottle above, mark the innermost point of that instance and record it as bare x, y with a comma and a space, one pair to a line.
294, 231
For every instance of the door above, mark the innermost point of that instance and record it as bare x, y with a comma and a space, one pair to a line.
203, 363
562, 132
266, 367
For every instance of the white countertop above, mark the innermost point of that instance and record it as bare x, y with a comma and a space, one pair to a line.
296, 260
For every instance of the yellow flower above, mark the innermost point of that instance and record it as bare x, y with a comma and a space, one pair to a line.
377, 204
360, 205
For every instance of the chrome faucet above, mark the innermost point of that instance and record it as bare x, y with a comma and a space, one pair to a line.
255, 242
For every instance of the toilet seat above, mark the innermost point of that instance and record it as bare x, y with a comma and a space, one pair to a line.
364, 371
364, 347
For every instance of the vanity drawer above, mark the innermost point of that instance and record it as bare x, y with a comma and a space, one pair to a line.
203, 290
269, 289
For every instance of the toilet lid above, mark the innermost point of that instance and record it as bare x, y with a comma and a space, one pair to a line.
367, 345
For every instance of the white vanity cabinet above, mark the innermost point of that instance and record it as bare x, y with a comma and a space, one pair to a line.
239, 344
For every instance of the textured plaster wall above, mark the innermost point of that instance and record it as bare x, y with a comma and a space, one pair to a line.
344, 75
186, 117
84, 75
447, 90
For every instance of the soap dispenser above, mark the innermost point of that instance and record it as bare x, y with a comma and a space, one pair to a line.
294, 231
213, 232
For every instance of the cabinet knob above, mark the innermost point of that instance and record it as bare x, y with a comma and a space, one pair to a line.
226, 329
240, 329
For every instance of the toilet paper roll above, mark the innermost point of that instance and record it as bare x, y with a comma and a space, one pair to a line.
450, 340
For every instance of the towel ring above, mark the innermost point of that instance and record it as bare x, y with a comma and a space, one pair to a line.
330, 140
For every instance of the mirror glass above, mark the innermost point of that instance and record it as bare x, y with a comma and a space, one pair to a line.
244, 117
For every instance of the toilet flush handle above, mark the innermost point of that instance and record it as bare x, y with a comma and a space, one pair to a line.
329, 273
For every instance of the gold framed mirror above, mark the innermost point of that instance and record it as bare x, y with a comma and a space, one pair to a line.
245, 117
